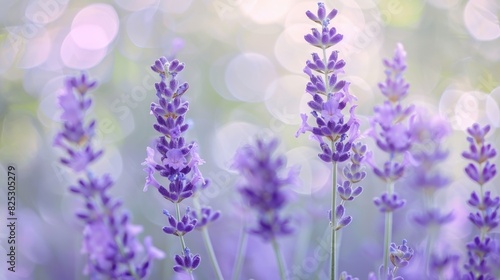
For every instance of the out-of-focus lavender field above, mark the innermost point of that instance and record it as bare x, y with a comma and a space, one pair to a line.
244, 63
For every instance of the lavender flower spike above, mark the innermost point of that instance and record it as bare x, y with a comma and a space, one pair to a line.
177, 161
482, 251
110, 240
336, 126
262, 190
392, 134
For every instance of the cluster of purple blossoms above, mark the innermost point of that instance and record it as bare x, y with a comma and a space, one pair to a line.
109, 238
428, 136
392, 133
347, 191
262, 187
176, 160
484, 248
334, 131
390, 129
330, 95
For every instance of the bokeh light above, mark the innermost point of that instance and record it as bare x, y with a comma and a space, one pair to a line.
481, 19
248, 75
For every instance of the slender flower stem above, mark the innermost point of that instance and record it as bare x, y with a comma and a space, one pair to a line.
428, 248
388, 229
240, 254
325, 61
333, 264
178, 212
481, 197
181, 237
211, 253
208, 242
279, 258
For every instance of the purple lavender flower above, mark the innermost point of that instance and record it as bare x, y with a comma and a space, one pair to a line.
177, 161
186, 224
428, 134
186, 262
388, 202
432, 217
109, 238
480, 153
393, 135
335, 130
345, 276
400, 255
482, 250
205, 217
330, 96
262, 186
388, 127
438, 265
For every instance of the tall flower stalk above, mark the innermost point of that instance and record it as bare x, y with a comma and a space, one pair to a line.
177, 161
262, 190
391, 132
428, 135
330, 96
109, 238
481, 170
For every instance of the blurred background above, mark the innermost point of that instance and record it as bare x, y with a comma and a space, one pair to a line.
244, 62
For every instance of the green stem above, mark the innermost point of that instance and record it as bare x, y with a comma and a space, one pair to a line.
481, 197
240, 254
333, 263
279, 258
181, 237
208, 243
428, 248
388, 229
211, 253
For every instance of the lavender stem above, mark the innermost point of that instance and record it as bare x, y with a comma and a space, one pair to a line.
208, 243
334, 263
181, 237
241, 252
279, 258
211, 253
388, 229
178, 212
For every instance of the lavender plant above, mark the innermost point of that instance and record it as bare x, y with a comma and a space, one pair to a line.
262, 190
481, 170
392, 134
332, 130
110, 242
177, 161
428, 135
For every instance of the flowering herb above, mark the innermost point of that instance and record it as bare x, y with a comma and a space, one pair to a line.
428, 136
109, 238
177, 161
392, 134
333, 130
482, 251
262, 190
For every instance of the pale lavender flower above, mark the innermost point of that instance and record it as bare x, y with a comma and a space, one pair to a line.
389, 128
109, 238
392, 134
262, 186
